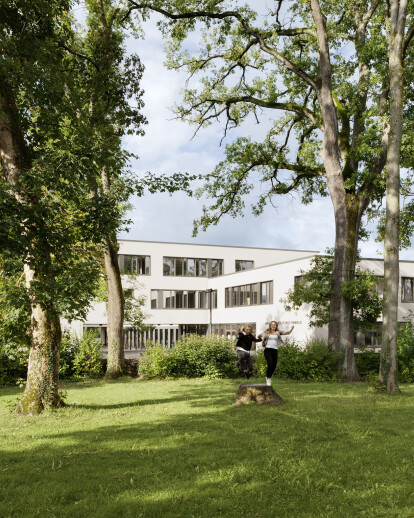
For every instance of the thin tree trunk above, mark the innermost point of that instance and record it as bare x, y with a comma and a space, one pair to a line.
116, 357
43, 368
116, 304
388, 364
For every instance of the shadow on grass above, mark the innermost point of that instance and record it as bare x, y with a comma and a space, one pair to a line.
222, 461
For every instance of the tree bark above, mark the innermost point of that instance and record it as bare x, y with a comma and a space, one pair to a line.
388, 364
116, 303
115, 329
42, 385
43, 368
340, 326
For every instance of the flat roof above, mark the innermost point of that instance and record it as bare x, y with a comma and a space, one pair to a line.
222, 246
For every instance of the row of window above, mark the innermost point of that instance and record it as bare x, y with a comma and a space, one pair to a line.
189, 267
180, 266
249, 294
183, 299
407, 287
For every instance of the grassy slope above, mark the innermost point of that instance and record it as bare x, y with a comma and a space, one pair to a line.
181, 449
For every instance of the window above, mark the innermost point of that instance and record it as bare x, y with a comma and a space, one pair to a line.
243, 265
169, 266
249, 294
216, 267
154, 299
182, 299
369, 338
266, 292
407, 289
194, 329
188, 267
297, 279
139, 264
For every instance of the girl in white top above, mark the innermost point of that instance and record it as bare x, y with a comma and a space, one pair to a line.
272, 340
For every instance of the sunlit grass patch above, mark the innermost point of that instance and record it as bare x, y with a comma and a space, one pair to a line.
182, 449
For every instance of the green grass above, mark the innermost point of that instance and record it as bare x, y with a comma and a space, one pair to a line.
134, 448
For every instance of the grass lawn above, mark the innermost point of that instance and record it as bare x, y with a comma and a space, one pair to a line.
132, 448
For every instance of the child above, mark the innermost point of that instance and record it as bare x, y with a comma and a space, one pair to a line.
243, 348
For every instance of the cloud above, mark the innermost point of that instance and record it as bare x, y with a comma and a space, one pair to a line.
168, 147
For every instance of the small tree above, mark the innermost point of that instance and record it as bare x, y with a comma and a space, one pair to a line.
314, 288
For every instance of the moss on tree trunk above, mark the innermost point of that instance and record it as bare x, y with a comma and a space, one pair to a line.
42, 387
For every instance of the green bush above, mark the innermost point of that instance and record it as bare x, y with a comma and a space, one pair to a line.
13, 366
69, 350
314, 362
192, 357
405, 350
87, 362
367, 363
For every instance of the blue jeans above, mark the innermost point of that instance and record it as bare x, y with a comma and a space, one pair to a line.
244, 357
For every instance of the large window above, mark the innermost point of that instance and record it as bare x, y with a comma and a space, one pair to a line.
243, 265
182, 299
139, 264
249, 294
189, 267
407, 289
369, 338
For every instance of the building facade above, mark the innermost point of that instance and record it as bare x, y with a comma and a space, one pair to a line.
205, 289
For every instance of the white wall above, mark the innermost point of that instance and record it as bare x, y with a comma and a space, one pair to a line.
279, 266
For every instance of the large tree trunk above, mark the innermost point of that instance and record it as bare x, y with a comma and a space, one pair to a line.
116, 357
388, 364
340, 325
43, 369
42, 386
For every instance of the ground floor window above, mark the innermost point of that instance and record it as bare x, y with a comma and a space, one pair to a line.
231, 330
369, 339
194, 329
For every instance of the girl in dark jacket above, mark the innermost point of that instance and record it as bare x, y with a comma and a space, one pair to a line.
244, 346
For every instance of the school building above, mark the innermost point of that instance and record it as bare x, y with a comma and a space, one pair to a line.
192, 288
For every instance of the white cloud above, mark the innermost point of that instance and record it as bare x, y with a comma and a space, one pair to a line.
168, 147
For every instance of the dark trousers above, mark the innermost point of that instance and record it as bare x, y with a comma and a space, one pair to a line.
244, 358
271, 358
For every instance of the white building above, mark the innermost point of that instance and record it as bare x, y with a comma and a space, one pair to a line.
192, 288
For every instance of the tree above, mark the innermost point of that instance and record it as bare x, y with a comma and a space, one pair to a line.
332, 133
53, 228
314, 288
398, 43
110, 102
112, 79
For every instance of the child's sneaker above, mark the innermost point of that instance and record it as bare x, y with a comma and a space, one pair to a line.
269, 382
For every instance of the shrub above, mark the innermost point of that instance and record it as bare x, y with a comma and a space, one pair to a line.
87, 362
156, 362
405, 350
193, 356
69, 350
367, 363
314, 362
321, 361
13, 366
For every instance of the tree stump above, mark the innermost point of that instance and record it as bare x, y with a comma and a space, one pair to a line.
258, 392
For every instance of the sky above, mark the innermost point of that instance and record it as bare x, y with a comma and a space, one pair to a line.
169, 146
